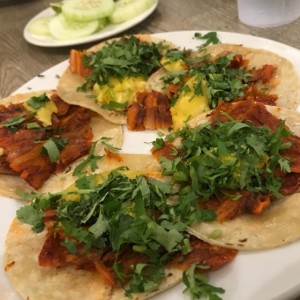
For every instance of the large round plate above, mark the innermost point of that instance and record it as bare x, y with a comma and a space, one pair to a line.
108, 31
268, 275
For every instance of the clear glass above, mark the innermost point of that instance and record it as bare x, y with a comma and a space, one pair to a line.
268, 13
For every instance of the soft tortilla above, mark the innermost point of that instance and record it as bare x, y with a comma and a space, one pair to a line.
69, 82
277, 226
285, 85
22, 248
9, 184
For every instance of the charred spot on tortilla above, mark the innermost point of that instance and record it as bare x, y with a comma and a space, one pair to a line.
9, 265
243, 240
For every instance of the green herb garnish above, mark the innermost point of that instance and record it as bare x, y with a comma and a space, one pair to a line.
197, 286
121, 212
91, 161
33, 125
113, 105
223, 83
92, 158
53, 147
14, 123
228, 156
125, 57
210, 37
37, 102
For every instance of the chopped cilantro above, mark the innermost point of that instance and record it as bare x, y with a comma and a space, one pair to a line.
90, 160
158, 144
197, 286
223, 83
32, 216
215, 233
53, 147
14, 123
117, 213
112, 105
210, 37
105, 141
228, 156
37, 102
32, 125
127, 56
70, 245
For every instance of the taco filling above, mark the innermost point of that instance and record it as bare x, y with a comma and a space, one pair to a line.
151, 85
121, 226
197, 81
41, 135
239, 160
109, 76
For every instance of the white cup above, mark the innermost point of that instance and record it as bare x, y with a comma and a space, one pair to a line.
268, 13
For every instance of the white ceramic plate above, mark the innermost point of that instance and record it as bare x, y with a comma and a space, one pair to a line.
261, 275
108, 31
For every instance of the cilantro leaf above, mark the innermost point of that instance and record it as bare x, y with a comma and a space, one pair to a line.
32, 125
127, 56
113, 105
38, 102
53, 147
210, 37
14, 123
228, 156
32, 216
90, 160
70, 245
197, 286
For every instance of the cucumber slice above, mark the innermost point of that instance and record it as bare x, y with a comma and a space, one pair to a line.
56, 6
62, 29
40, 26
128, 9
87, 10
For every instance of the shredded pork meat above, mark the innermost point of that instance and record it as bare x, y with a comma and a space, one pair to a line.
150, 111
23, 148
249, 202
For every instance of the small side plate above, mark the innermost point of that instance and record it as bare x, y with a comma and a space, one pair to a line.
108, 31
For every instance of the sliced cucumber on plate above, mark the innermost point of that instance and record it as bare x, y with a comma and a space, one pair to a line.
87, 10
40, 26
79, 18
128, 9
56, 6
63, 29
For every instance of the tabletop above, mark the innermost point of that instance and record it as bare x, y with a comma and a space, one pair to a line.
21, 61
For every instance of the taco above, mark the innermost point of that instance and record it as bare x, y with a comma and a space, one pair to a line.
44, 138
108, 236
241, 161
197, 81
107, 77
